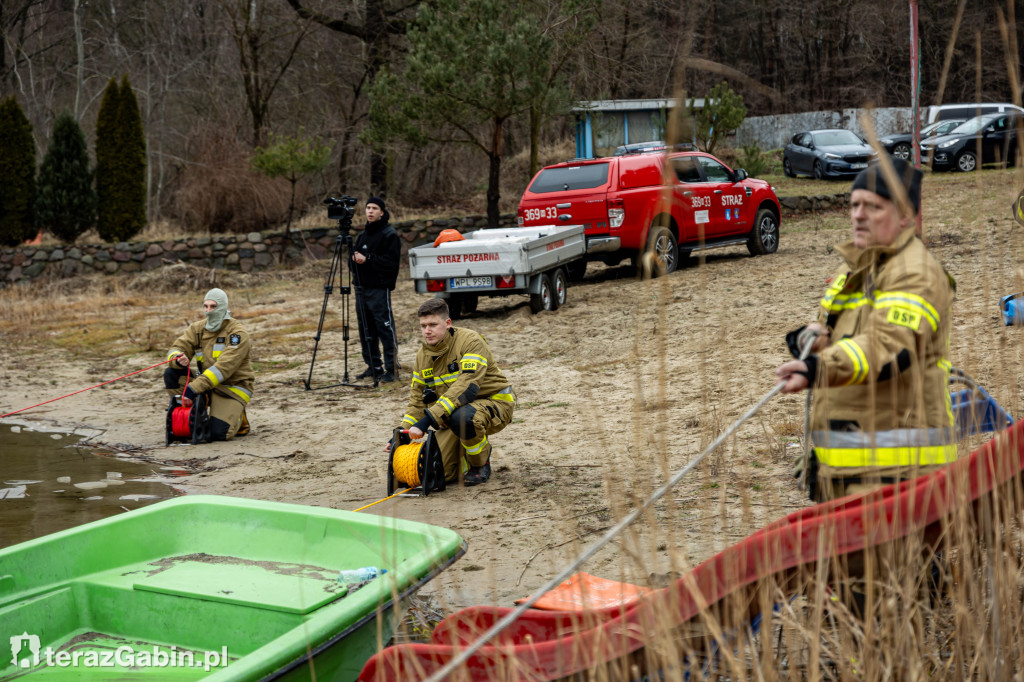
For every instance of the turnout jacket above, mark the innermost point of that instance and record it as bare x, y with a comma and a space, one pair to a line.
459, 369
222, 356
881, 396
379, 242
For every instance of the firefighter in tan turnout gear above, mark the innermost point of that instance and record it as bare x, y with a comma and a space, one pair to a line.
880, 410
459, 391
220, 345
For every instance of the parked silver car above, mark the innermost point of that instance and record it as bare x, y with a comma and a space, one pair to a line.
829, 153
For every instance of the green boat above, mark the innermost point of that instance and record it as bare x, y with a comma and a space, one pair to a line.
213, 588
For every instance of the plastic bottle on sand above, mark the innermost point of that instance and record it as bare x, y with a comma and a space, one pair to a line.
359, 575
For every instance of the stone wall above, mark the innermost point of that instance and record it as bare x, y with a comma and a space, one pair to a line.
773, 132
244, 252
256, 250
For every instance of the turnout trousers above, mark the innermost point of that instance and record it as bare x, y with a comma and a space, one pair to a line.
227, 409
464, 443
376, 327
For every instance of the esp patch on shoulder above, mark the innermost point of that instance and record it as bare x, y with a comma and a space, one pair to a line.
236, 339
904, 317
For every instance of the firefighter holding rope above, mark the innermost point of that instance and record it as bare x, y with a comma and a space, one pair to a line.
220, 345
879, 368
458, 390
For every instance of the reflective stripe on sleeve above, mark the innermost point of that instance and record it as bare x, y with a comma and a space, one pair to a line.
447, 404
408, 420
504, 394
888, 299
214, 375
860, 361
896, 447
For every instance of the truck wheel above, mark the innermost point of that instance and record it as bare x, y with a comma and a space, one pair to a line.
560, 283
764, 238
545, 300
661, 255
576, 269
455, 306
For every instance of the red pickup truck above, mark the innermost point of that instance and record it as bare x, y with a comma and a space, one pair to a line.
666, 204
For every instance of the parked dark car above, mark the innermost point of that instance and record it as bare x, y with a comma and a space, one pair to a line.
830, 153
994, 134
899, 145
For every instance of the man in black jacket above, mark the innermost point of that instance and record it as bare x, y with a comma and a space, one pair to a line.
375, 258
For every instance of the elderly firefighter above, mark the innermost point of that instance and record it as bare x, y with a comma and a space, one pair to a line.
220, 345
459, 391
880, 410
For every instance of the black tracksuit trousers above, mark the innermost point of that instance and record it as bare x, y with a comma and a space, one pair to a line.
376, 327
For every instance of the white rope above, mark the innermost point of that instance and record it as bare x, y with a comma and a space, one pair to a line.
511, 617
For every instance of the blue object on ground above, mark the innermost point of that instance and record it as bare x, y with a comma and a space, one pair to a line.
974, 409
1012, 307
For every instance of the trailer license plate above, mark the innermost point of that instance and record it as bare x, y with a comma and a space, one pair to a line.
470, 282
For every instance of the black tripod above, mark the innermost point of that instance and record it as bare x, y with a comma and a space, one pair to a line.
340, 209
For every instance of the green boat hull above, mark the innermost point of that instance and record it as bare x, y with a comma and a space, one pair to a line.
213, 588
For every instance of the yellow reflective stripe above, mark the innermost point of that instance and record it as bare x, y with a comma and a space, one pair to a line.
895, 456
445, 379
448, 405
860, 361
408, 419
474, 356
844, 302
508, 397
417, 380
478, 448
213, 375
241, 393
946, 366
174, 354
888, 299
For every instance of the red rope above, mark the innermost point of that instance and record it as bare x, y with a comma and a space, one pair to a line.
86, 389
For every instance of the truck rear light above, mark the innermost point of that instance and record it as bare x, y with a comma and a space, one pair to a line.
435, 285
506, 281
616, 212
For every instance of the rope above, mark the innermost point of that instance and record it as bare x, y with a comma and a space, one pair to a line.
511, 617
405, 464
85, 389
384, 499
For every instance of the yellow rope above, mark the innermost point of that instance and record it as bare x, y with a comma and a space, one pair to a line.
382, 500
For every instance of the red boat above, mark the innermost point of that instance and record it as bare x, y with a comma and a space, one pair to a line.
731, 587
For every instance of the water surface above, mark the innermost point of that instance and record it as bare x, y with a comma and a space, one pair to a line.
93, 485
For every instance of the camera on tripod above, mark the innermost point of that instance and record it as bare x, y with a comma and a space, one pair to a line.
340, 208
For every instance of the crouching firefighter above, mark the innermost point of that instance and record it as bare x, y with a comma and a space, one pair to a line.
220, 345
459, 391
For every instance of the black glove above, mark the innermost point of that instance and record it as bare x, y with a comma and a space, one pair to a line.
425, 422
190, 394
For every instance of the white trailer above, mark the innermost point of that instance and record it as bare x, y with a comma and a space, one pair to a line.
522, 260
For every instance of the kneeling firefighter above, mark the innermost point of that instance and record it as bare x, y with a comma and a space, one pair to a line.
220, 345
459, 391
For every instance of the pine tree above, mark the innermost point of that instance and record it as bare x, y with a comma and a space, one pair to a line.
120, 164
66, 201
17, 175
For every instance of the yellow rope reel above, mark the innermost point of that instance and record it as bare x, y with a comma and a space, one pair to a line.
406, 464
415, 465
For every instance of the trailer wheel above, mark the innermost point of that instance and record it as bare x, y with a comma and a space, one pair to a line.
560, 283
454, 306
469, 303
545, 299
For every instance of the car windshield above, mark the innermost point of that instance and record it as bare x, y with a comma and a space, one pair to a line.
933, 128
971, 126
565, 178
833, 138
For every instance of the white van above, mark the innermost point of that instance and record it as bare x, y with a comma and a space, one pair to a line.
941, 112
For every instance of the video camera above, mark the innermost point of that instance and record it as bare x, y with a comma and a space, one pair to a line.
340, 208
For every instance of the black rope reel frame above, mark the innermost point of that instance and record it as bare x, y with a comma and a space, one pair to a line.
198, 421
429, 464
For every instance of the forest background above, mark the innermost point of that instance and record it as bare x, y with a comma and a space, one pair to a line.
453, 103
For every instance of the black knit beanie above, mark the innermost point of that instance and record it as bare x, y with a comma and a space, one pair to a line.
378, 201
873, 180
